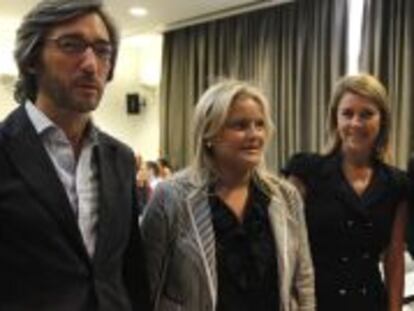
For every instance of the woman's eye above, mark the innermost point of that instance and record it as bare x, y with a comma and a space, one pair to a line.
260, 124
347, 114
237, 124
243, 124
367, 114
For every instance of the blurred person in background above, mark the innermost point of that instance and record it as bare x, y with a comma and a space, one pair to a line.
142, 183
165, 168
153, 174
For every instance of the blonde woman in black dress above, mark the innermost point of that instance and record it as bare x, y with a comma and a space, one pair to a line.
355, 203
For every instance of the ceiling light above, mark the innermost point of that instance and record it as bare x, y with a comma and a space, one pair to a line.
137, 11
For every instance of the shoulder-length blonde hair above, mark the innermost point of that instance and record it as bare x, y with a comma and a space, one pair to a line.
368, 87
210, 116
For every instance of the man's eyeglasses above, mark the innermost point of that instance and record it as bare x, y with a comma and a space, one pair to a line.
74, 45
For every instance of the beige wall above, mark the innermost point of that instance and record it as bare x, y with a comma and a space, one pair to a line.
7, 68
141, 132
138, 70
7, 103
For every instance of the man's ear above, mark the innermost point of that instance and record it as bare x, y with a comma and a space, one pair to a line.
32, 67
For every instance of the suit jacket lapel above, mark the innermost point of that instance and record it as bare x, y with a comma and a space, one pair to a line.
278, 220
27, 154
199, 210
335, 182
109, 193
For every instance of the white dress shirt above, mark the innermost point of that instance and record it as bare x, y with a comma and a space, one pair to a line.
79, 177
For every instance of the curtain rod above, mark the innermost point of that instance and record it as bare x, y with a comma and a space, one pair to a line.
235, 10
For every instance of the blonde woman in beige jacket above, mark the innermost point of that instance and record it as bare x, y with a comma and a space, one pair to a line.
224, 234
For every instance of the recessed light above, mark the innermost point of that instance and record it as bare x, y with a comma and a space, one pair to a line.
138, 11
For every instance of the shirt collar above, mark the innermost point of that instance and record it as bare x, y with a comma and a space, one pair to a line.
42, 124
39, 120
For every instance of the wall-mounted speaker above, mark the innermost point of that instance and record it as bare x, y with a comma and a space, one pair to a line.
133, 103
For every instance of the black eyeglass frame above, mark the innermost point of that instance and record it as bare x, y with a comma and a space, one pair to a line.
75, 45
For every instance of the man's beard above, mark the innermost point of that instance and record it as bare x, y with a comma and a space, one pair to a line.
66, 97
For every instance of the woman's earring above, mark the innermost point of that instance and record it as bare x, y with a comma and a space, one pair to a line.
209, 144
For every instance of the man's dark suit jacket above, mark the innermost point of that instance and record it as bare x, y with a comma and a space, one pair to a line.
44, 264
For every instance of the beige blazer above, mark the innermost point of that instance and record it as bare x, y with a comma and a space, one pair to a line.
179, 240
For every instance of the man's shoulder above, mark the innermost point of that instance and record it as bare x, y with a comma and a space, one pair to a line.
107, 139
115, 153
16, 121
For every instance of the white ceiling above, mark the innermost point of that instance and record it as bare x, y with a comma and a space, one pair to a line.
163, 14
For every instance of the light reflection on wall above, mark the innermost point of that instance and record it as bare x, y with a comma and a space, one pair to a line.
149, 51
8, 28
354, 34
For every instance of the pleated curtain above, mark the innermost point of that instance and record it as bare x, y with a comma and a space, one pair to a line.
294, 52
387, 52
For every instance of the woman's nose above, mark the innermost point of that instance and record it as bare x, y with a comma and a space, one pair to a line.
254, 129
357, 121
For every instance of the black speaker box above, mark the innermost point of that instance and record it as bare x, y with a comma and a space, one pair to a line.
133, 103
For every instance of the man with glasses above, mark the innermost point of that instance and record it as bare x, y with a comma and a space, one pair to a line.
69, 236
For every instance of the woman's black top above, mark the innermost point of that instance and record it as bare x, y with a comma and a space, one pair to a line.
410, 221
246, 256
347, 232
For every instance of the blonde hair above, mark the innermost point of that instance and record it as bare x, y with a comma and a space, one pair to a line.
210, 115
368, 87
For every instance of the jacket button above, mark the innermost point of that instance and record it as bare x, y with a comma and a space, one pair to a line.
366, 255
363, 291
342, 292
369, 224
344, 259
350, 223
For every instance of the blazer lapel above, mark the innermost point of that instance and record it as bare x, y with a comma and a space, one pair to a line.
27, 154
200, 216
278, 221
335, 182
105, 154
113, 187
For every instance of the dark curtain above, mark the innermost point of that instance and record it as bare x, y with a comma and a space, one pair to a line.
294, 52
387, 52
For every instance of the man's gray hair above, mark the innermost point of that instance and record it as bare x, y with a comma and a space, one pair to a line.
35, 27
